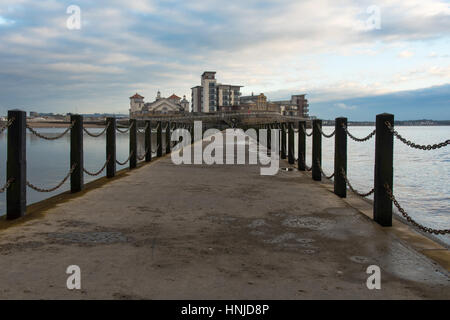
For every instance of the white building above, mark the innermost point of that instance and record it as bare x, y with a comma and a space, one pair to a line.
210, 96
161, 105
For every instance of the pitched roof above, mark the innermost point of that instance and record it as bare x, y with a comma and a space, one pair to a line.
137, 96
174, 96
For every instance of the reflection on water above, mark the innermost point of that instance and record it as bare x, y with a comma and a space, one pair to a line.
420, 177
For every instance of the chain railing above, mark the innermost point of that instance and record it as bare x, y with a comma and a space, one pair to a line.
141, 158
364, 195
96, 135
356, 138
123, 131
306, 133
408, 217
143, 129
126, 161
323, 173
324, 134
7, 125
38, 189
414, 145
94, 174
39, 135
6, 186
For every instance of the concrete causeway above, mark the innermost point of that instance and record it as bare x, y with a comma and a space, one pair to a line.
213, 232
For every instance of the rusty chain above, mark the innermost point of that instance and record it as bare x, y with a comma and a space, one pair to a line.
6, 186
7, 125
305, 165
29, 184
96, 135
408, 217
324, 134
126, 161
353, 189
323, 173
143, 129
356, 138
37, 134
416, 146
93, 174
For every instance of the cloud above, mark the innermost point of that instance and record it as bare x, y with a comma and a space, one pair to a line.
279, 48
344, 106
406, 54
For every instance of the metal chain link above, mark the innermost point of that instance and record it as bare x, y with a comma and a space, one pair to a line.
157, 147
124, 163
306, 133
7, 125
359, 139
305, 165
126, 129
416, 146
324, 134
93, 174
37, 134
143, 156
29, 184
353, 189
408, 217
143, 129
323, 173
95, 135
6, 186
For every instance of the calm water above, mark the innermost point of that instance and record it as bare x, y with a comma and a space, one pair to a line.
421, 178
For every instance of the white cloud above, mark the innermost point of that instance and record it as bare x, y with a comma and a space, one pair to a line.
406, 54
345, 107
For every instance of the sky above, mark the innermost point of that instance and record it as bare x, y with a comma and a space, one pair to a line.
351, 58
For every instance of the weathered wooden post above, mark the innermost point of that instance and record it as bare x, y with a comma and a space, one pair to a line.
111, 147
148, 141
133, 143
283, 140
384, 158
191, 130
340, 157
16, 165
159, 139
301, 146
291, 156
317, 150
76, 153
269, 139
168, 127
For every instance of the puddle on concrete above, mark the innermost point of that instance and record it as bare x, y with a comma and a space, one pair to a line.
89, 237
313, 223
286, 169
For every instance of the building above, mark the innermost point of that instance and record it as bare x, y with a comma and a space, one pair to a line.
258, 103
160, 106
297, 106
210, 96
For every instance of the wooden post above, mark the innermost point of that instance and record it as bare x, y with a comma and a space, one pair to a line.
317, 150
291, 157
148, 141
111, 147
168, 137
301, 146
133, 143
340, 157
283, 140
191, 130
16, 165
76, 153
269, 139
159, 139
384, 158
